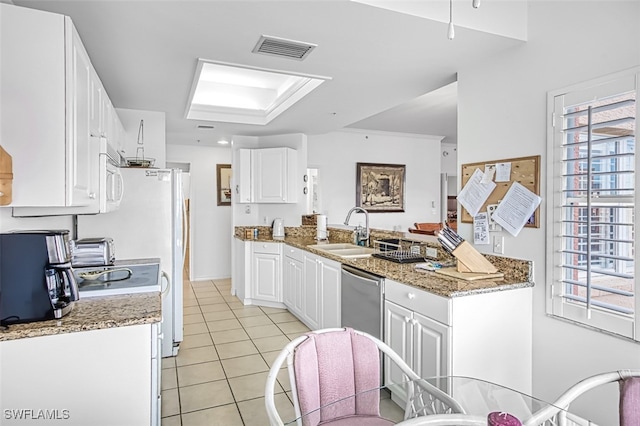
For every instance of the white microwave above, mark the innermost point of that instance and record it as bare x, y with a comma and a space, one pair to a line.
111, 185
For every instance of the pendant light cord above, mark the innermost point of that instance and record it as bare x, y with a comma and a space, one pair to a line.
451, 31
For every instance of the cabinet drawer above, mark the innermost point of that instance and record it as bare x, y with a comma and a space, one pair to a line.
269, 248
420, 301
294, 253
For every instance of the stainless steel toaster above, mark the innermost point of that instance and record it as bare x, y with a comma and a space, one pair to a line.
93, 252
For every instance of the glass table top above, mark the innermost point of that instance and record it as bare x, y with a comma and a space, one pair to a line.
481, 402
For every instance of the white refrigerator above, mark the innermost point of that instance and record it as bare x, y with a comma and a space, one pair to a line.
150, 222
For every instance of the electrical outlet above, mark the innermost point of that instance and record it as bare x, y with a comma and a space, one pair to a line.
431, 252
498, 244
247, 209
415, 250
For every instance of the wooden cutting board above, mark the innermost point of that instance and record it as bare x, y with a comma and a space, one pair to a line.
468, 276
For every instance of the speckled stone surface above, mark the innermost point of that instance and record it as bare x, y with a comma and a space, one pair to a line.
93, 314
517, 273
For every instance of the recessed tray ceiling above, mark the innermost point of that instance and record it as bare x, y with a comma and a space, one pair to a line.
240, 94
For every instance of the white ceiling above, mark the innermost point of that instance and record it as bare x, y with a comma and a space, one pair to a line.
146, 52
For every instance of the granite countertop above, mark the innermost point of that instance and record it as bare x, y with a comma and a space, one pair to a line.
517, 273
93, 314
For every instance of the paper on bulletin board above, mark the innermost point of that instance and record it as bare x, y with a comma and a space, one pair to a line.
481, 228
475, 192
503, 172
516, 208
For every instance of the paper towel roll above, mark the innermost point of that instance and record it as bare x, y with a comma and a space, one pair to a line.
321, 227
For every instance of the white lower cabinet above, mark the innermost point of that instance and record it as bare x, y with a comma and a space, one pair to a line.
321, 292
101, 377
266, 280
422, 342
486, 335
330, 299
312, 291
257, 273
292, 279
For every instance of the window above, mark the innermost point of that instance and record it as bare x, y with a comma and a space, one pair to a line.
591, 203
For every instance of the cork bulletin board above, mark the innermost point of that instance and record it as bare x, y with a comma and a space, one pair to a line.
524, 170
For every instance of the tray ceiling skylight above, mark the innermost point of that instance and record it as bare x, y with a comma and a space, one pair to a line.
240, 94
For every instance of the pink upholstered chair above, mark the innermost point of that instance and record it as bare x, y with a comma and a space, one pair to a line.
560, 414
335, 376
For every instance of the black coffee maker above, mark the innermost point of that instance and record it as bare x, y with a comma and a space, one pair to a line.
36, 279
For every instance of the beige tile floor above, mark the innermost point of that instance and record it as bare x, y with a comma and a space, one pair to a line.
219, 375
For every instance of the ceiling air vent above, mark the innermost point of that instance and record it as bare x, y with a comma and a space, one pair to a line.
283, 48
205, 127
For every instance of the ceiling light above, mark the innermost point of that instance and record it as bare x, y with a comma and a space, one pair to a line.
242, 94
223, 142
476, 4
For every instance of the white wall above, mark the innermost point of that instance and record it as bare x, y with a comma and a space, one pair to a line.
152, 136
210, 224
335, 156
502, 114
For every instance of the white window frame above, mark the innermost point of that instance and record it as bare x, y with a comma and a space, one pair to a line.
557, 306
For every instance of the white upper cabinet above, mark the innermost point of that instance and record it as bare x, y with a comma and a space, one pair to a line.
267, 175
78, 107
51, 103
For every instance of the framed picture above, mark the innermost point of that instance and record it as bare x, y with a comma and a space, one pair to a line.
223, 179
380, 187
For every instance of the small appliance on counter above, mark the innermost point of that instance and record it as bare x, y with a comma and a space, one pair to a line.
278, 228
93, 252
36, 278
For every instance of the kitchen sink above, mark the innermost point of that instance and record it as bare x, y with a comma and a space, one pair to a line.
344, 250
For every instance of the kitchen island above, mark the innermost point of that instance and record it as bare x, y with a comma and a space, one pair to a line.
98, 365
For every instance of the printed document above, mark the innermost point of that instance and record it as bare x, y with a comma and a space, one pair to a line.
481, 228
475, 192
516, 208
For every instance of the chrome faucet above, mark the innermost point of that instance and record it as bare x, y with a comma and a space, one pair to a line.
360, 236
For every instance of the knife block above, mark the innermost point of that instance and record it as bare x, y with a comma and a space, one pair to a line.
470, 260
6, 177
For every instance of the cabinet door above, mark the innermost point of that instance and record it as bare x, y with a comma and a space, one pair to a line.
110, 359
398, 335
240, 264
32, 104
79, 164
242, 176
266, 276
311, 292
430, 347
292, 285
95, 108
330, 291
269, 175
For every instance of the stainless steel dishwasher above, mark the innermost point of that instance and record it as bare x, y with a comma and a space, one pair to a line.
362, 301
